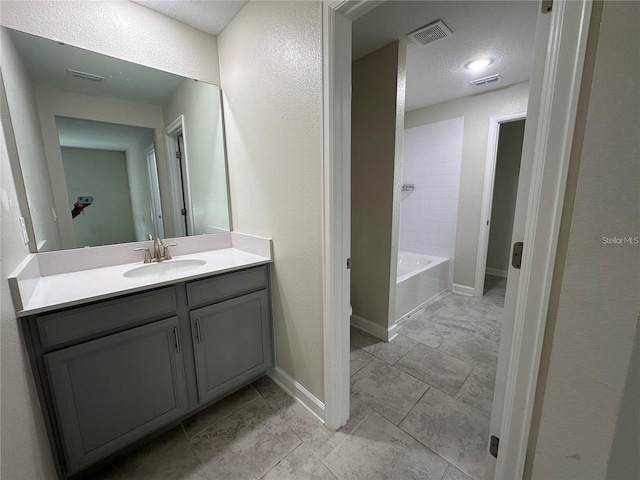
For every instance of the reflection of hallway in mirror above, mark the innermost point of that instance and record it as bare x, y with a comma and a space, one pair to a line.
116, 165
103, 175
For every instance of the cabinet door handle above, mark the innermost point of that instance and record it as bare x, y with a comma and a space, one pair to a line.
198, 330
177, 339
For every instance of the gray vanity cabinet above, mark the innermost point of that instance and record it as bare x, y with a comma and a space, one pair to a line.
113, 373
110, 392
231, 343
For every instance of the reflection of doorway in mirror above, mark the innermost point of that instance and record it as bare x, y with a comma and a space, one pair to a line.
156, 209
174, 136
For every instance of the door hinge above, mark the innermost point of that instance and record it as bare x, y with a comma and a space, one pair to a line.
546, 6
183, 211
493, 446
179, 155
516, 257
349, 263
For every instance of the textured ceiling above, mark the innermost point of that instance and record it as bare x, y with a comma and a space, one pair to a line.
503, 30
47, 62
209, 16
79, 133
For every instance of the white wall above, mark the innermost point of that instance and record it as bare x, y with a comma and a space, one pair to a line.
120, 29
271, 69
476, 110
432, 159
24, 118
595, 303
103, 175
25, 449
505, 189
204, 143
377, 114
140, 190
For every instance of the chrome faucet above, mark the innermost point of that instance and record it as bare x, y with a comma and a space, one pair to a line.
160, 250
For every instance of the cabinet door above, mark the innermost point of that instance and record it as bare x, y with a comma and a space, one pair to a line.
232, 343
112, 391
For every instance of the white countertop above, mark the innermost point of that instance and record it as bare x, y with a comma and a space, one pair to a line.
52, 292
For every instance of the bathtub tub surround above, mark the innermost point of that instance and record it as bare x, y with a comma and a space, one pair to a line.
420, 279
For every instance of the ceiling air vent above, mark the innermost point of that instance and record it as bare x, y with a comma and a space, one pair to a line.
485, 80
429, 34
85, 76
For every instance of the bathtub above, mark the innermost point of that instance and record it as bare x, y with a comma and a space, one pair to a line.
420, 279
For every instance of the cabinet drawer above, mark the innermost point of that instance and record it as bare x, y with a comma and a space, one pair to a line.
225, 286
60, 327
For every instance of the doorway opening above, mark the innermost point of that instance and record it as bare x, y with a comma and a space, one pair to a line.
502, 170
560, 47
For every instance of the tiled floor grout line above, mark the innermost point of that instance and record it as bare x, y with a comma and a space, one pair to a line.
446, 470
429, 387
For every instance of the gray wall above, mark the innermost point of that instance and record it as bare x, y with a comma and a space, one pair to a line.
204, 140
31, 151
140, 190
476, 110
103, 175
505, 188
377, 115
25, 448
593, 317
622, 465
272, 93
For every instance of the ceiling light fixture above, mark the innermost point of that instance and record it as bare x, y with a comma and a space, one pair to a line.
479, 64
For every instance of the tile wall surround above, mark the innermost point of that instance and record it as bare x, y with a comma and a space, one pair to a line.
432, 159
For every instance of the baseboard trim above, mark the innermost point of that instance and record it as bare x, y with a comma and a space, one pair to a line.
371, 328
496, 272
298, 392
463, 290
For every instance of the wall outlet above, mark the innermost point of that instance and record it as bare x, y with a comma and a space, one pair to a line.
23, 227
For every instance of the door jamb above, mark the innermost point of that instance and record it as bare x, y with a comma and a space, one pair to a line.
170, 135
487, 194
558, 105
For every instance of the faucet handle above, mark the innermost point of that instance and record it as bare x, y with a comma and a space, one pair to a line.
147, 254
166, 254
149, 236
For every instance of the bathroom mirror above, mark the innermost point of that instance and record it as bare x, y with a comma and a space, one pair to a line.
109, 151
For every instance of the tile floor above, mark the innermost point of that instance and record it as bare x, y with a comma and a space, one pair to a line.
420, 408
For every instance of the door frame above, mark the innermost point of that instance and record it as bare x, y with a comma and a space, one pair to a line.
154, 186
487, 194
179, 177
558, 100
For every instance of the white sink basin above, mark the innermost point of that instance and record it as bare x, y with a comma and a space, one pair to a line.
168, 267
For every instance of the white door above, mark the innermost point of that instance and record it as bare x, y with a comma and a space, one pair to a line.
513, 278
154, 186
